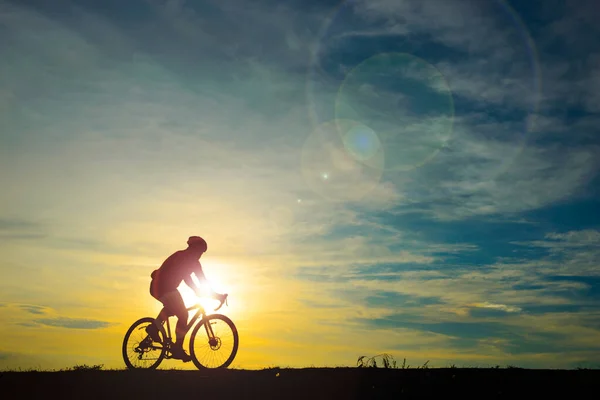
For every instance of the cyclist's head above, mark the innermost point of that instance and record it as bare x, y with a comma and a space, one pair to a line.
198, 244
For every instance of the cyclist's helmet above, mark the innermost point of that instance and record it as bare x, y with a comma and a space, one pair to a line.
198, 243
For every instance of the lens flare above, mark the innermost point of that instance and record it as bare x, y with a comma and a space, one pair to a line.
406, 146
362, 143
406, 104
333, 171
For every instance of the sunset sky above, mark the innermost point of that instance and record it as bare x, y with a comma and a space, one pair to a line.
412, 177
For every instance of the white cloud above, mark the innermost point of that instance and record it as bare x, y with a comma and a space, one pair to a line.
569, 253
498, 66
505, 155
588, 237
480, 176
500, 63
493, 306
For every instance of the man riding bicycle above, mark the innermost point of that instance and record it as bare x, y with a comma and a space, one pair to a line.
176, 268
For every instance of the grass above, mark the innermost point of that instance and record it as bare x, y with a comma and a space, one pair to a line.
378, 376
85, 367
385, 361
82, 367
382, 361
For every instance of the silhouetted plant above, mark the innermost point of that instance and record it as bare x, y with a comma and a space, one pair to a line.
371, 362
85, 367
387, 361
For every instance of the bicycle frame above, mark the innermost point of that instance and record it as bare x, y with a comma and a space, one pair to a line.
200, 314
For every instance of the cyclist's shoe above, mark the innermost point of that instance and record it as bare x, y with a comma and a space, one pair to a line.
180, 354
152, 330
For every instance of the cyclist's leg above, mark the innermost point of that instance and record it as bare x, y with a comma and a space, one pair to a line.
174, 305
154, 328
161, 317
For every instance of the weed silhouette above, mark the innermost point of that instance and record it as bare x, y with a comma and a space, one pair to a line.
387, 362
85, 367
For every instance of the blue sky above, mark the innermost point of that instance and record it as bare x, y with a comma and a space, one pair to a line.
421, 173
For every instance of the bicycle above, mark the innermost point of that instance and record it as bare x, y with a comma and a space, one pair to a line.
149, 354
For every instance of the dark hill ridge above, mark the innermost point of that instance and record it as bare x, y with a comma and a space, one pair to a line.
309, 383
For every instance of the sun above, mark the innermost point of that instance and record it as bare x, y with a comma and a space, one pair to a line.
190, 298
213, 273
188, 295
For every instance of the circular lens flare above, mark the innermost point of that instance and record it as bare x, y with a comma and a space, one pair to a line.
406, 104
341, 32
361, 142
333, 171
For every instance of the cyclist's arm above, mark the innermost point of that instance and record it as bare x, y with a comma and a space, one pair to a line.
203, 281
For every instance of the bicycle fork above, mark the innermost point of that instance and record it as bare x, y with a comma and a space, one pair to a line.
213, 341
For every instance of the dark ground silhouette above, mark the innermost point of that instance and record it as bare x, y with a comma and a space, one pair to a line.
309, 383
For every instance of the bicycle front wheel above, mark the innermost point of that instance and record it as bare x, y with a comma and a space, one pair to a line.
214, 342
139, 351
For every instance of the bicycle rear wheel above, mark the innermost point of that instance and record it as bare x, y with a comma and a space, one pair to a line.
139, 351
214, 342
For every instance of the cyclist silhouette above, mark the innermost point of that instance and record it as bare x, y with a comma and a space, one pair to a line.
178, 267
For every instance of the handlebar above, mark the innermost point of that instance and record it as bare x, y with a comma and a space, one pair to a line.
222, 301
199, 306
